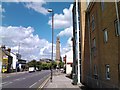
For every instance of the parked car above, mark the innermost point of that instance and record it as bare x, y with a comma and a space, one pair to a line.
32, 69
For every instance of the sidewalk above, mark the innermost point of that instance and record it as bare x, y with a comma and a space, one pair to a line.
62, 82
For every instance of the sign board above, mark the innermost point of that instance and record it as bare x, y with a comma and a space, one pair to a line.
5, 57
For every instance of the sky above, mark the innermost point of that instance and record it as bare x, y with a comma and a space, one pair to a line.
28, 24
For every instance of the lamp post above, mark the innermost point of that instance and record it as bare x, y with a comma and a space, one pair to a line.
51, 11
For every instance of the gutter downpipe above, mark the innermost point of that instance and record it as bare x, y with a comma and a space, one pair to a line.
118, 19
78, 52
117, 16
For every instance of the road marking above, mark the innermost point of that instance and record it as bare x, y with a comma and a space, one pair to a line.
23, 78
43, 84
8, 83
4, 82
33, 85
19, 79
16, 79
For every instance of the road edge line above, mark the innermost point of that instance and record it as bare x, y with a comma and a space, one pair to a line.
44, 83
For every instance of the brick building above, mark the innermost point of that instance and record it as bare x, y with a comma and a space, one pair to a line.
102, 45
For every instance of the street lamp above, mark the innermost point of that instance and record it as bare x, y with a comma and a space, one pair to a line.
51, 11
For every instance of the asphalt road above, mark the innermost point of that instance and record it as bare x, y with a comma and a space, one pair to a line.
25, 80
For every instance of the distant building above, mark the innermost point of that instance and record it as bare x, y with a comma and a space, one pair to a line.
21, 64
58, 50
6, 59
69, 62
45, 60
14, 61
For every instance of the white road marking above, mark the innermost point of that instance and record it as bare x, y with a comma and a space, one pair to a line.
16, 80
4, 82
8, 83
33, 85
19, 79
23, 78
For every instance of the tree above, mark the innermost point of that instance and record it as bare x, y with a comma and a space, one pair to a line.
54, 64
61, 64
39, 65
32, 63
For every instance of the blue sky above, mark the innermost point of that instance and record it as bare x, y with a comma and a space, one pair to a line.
29, 24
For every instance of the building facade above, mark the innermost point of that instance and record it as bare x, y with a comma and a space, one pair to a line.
14, 61
69, 62
102, 45
81, 24
6, 59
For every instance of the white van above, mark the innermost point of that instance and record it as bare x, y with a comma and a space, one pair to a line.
31, 69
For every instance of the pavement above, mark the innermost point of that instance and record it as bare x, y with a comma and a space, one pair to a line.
60, 81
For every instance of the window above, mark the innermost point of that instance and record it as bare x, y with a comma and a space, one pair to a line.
95, 72
117, 31
107, 67
93, 22
94, 43
93, 47
105, 36
102, 5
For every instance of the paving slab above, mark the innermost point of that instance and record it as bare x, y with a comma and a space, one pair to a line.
60, 81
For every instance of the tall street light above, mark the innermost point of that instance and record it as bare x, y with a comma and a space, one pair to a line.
51, 11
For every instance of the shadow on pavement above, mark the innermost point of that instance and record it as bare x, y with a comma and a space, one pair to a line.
84, 88
69, 76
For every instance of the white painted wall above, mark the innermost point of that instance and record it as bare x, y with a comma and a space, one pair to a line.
20, 66
68, 69
69, 59
14, 60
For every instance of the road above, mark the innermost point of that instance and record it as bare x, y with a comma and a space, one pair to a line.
25, 80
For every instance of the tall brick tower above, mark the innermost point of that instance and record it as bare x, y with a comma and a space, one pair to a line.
58, 50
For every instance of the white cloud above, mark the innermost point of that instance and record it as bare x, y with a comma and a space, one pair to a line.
63, 20
31, 46
37, 6
67, 48
66, 32
22, 1
1, 8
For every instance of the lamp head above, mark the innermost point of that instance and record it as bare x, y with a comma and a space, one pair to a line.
50, 10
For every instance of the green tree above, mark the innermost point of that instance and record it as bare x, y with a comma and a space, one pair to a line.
32, 63
39, 65
54, 64
61, 64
